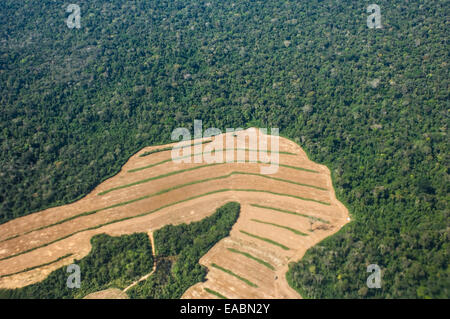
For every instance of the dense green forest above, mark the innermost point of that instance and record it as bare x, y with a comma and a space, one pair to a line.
371, 104
113, 262
178, 251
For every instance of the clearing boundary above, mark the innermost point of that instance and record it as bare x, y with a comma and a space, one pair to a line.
147, 194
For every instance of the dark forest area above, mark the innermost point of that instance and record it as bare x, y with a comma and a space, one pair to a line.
371, 104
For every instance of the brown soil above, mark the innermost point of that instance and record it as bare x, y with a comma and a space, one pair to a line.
185, 212
111, 293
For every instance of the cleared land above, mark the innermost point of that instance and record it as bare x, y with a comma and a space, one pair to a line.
112, 293
294, 208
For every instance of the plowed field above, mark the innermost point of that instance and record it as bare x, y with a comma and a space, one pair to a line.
282, 215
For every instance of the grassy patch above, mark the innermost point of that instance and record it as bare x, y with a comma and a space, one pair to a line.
252, 150
192, 155
270, 241
9, 238
170, 148
283, 180
168, 190
215, 293
156, 177
290, 212
38, 266
281, 226
155, 151
262, 262
281, 194
299, 168
115, 221
153, 211
149, 166
248, 282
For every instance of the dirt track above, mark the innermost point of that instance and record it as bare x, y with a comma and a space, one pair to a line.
34, 246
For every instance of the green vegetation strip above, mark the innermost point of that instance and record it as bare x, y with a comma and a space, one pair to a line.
248, 282
262, 262
115, 221
170, 148
283, 180
300, 169
257, 162
38, 266
280, 226
112, 262
155, 151
291, 212
270, 241
9, 238
156, 210
215, 293
157, 177
178, 187
252, 150
281, 194
149, 166
199, 167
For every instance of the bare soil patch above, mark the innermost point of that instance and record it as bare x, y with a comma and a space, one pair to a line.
182, 198
111, 293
